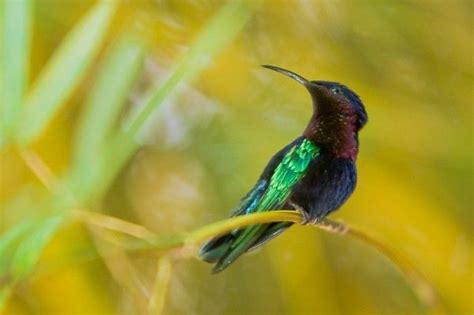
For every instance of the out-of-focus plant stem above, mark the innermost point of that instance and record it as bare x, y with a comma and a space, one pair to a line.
157, 300
121, 269
188, 242
43, 173
116, 260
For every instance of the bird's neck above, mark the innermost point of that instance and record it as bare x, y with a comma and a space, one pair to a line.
335, 133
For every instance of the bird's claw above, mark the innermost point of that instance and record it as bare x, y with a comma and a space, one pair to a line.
306, 216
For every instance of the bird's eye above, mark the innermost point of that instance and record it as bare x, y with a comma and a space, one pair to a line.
336, 90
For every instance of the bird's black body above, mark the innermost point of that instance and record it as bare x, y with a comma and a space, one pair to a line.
326, 186
315, 174
328, 182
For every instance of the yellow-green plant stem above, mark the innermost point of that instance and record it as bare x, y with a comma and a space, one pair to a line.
218, 228
424, 290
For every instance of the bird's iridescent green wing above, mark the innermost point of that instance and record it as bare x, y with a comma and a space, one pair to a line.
249, 203
251, 200
291, 169
215, 248
288, 172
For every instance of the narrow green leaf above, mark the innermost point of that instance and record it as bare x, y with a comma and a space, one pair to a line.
65, 70
15, 29
8, 240
20, 249
117, 74
30, 249
216, 35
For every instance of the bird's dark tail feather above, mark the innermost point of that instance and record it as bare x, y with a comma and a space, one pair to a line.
273, 231
214, 249
222, 251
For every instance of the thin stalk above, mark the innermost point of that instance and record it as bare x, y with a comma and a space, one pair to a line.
39, 168
161, 285
423, 289
222, 227
121, 269
115, 258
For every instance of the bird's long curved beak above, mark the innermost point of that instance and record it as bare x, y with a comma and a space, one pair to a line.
313, 87
289, 73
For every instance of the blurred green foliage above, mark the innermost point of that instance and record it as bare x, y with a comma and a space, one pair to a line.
157, 112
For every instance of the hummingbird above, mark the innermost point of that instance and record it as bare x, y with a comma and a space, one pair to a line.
315, 174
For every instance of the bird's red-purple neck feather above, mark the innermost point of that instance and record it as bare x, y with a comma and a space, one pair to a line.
333, 125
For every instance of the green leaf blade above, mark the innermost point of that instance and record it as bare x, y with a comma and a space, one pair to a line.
16, 29
30, 249
216, 35
116, 76
65, 70
8, 240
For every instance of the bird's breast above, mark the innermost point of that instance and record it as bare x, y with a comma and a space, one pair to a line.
327, 184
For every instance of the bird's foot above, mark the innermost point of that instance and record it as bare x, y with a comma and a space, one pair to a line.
306, 217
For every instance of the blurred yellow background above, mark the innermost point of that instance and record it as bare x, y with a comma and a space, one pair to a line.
199, 153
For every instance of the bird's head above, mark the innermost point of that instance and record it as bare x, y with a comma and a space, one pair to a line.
338, 113
333, 93
330, 98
